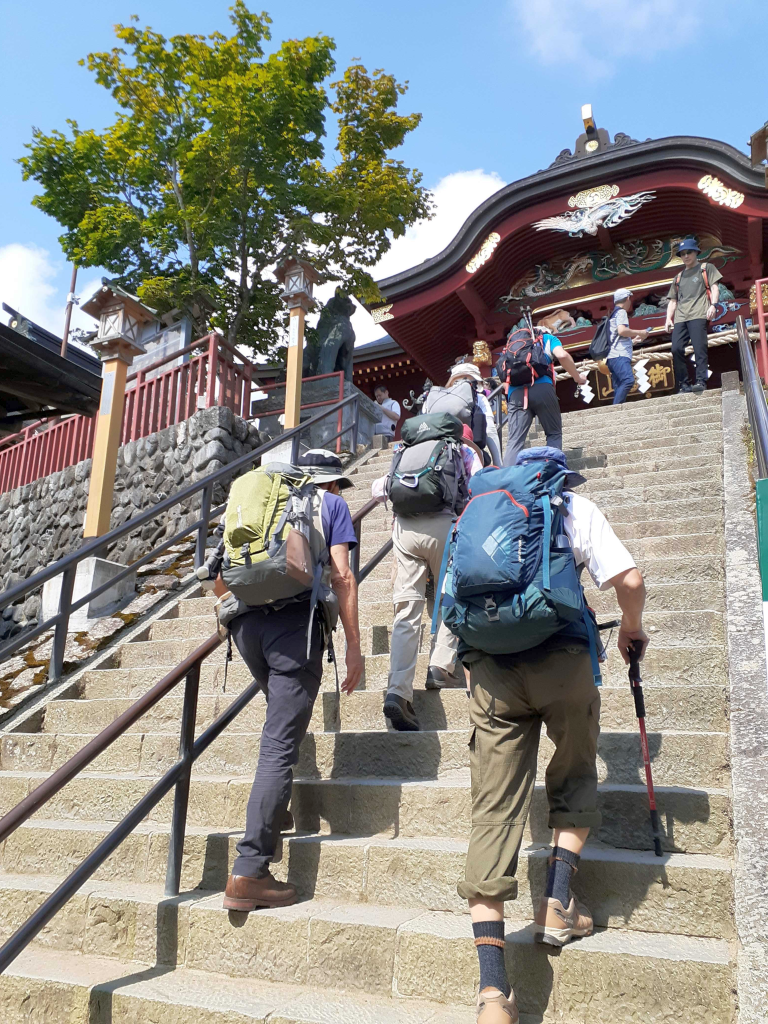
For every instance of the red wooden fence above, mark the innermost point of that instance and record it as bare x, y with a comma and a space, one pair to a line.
212, 377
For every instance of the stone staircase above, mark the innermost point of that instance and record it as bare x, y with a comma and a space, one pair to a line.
382, 818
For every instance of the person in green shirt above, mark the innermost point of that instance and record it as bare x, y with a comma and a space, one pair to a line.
692, 298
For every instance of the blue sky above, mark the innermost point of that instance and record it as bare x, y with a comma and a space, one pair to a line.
500, 85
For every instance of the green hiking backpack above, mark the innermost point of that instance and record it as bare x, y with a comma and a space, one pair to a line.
275, 549
427, 473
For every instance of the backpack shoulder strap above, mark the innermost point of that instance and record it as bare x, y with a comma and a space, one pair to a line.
705, 278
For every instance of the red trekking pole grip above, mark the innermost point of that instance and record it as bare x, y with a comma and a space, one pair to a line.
634, 650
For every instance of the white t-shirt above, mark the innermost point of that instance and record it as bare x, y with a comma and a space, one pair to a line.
594, 543
385, 422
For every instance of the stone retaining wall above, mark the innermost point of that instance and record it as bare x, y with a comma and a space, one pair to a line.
43, 521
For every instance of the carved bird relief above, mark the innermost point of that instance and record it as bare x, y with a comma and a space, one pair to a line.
587, 221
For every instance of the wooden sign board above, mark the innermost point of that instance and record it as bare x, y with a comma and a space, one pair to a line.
661, 377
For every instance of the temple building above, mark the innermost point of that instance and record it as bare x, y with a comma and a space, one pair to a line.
557, 244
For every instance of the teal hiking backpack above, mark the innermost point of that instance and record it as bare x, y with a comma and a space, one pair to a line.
510, 578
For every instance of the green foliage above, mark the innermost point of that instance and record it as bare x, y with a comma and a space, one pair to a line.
216, 166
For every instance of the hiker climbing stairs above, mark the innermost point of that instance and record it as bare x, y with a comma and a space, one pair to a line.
382, 818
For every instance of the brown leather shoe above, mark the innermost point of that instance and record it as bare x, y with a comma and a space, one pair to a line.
494, 1008
246, 894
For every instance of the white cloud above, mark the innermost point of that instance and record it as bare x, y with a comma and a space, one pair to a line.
36, 285
597, 35
456, 197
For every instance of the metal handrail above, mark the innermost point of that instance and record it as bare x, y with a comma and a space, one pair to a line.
756, 404
180, 776
67, 566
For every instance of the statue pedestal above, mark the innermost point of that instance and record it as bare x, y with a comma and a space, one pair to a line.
269, 410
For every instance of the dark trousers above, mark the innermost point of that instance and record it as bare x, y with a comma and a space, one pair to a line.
622, 378
542, 402
692, 332
274, 647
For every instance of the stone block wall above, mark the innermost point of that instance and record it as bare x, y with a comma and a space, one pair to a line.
43, 521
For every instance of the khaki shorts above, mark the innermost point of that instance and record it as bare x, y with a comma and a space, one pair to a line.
511, 697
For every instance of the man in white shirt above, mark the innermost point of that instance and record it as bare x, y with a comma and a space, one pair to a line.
511, 697
390, 412
419, 544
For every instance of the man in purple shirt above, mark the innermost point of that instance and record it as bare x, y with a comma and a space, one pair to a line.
273, 644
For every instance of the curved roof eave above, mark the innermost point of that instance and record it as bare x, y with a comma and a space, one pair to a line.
580, 171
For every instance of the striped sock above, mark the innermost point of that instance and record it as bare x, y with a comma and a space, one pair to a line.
489, 939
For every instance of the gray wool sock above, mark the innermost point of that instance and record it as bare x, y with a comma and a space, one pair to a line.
561, 870
489, 939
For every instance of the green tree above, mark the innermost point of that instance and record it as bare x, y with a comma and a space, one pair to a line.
216, 166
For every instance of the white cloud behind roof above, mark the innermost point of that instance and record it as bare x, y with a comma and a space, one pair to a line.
456, 196
604, 37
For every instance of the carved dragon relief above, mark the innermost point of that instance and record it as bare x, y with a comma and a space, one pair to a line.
631, 257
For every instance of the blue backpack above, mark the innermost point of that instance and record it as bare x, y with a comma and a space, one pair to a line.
510, 577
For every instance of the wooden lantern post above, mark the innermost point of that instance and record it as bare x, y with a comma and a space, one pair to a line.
298, 279
117, 343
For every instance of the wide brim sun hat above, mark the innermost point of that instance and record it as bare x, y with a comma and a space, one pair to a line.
324, 467
465, 370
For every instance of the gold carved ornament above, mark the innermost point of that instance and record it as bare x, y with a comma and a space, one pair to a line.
481, 353
593, 196
720, 193
484, 253
753, 299
382, 313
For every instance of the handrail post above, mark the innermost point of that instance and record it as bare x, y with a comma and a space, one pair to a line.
355, 424
354, 554
56, 664
181, 794
213, 370
202, 531
295, 441
761, 325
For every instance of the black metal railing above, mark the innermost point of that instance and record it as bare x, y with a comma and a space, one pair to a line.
67, 567
757, 410
180, 775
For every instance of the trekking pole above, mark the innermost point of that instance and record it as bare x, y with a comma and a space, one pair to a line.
635, 682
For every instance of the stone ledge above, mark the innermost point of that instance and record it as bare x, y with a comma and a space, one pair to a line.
749, 714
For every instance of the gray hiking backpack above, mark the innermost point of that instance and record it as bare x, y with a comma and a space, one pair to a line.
459, 400
427, 474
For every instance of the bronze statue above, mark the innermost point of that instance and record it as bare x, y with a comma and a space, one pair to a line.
335, 344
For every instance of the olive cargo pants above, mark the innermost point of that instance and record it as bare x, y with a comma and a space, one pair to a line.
511, 696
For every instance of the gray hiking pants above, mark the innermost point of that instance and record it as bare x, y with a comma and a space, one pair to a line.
542, 402
274, 647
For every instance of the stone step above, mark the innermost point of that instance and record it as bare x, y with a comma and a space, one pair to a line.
662, 464
691, 429
633, 521
670, 534
638, 449
662, 667
41, 983
692, 820
679, 758
668, 491
381, 950
679, 707
667, 628
631, 460
707, 475
679, 894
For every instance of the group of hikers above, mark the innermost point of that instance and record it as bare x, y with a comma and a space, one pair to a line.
505, 541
